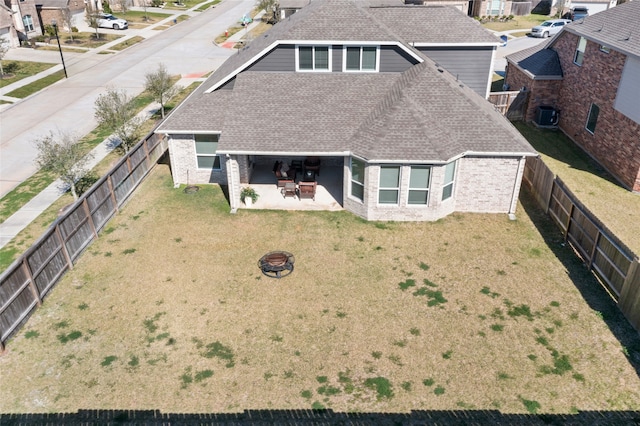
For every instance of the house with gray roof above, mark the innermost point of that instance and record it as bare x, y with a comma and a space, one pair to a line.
590, 74
406, 139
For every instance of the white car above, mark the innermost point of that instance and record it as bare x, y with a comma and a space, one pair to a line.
549, 28
107, 20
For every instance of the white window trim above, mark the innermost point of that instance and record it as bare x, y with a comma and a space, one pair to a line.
428, 188
206, 155
383, 188
586, 125
297, 58
575, 54
352, 181
30, 24
452, 183
344, 57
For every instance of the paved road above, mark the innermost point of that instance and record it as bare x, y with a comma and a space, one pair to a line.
513, 45
186, 48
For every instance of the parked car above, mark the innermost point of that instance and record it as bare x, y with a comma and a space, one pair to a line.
107, 20
578, 12
549, 28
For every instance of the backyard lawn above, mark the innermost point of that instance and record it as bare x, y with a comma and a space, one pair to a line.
168, 310
617, 207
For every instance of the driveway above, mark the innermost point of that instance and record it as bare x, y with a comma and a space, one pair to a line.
186, 49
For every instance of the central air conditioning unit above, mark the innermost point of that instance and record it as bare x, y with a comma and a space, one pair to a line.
547, 116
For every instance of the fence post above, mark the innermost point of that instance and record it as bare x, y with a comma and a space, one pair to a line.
569, 216
112, 193
592, 256
32, 284
89, 217
629, 300
65, 252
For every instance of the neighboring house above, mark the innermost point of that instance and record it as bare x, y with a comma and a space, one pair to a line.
7, 26
594, 6
48, 10
590, 72
343, 81
25, 18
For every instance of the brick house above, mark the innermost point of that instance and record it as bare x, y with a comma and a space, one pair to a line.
406, 139
590, 73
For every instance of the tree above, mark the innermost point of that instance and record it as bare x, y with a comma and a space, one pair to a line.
269, 7
67, 20
63, 155
4, 48
160, 86
117, 111
91, 16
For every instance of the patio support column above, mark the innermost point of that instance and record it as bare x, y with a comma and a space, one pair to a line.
233, 180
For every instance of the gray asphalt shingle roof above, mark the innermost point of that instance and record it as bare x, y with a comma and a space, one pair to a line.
538, 61
617, 28
423, 114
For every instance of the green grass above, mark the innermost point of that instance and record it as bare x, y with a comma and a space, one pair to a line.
518, 22
17, 70
127, 43
36, 86
615, 206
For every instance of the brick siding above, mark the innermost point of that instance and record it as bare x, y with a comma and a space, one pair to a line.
542, 92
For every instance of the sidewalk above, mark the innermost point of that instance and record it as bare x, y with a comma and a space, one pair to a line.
10, 228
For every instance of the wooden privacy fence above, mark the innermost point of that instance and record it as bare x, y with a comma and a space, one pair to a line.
27, 281
603, 253
511, 104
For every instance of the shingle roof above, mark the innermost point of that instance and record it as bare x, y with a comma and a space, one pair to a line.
53, 4
423, 114
433, 25
617, 28
538, 61
357, 21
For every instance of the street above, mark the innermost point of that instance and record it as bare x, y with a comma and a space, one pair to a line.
186, 48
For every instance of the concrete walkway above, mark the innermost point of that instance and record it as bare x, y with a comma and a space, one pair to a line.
10, 228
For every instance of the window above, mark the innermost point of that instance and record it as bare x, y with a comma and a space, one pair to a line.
357, 179
419, 184
206, 147
28, 23
361, 58
605, 49
592, 119
449, 174
582, 45
389, 185
313, 58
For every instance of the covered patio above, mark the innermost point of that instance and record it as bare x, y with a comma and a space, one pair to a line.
329, 192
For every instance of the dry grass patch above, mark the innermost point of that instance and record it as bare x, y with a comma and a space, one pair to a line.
168, 310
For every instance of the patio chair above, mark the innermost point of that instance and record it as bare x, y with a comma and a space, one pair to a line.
289, 189
307, 190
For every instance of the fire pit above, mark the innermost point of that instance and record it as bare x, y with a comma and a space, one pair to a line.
276, 264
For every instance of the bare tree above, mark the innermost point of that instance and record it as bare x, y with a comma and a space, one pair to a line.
62, 155
117, 111
158, 83
4, 48
67, 20
123, 5
91, 16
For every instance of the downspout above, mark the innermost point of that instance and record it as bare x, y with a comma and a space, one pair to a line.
516, 188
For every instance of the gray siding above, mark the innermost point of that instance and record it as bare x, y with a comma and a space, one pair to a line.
282, 58
471, 65
394, 59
